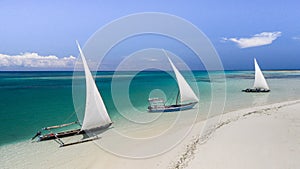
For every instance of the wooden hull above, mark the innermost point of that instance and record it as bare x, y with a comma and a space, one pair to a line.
256, 90
52, 136
173, 108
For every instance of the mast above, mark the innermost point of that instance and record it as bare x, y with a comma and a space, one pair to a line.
177, 97
95, 114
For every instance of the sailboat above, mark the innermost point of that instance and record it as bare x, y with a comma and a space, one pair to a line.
95, 116
186, 98
260, 83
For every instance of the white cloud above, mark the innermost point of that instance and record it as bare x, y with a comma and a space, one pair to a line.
33, 60
296, 37
264, 38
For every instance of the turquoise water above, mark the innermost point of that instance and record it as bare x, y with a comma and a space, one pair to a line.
32, 100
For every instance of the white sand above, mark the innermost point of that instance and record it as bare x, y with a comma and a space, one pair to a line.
260, 137
265, 137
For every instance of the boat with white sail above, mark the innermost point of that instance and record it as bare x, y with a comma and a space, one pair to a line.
185, 99
95, 117
260, 83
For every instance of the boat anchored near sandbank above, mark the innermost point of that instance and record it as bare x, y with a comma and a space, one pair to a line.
260, 83
185, 99
95, 117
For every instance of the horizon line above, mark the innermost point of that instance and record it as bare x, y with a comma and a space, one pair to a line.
144, 70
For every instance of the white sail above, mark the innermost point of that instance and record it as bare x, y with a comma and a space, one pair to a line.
186, 92
260, 81
95, 111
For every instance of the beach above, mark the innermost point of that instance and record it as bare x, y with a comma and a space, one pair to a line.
259, 137
150, 85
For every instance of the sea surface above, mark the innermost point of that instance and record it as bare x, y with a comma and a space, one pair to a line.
30, 101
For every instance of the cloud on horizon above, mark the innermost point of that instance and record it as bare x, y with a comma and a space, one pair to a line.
261, 39
296, 37
34, 60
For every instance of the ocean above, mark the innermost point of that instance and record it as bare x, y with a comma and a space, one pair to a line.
30, 101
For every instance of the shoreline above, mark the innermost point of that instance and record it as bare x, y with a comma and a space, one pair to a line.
197, 121
185, 154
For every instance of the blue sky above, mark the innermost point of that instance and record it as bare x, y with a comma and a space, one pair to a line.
240, 30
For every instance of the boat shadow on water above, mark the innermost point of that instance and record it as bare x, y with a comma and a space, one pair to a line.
97, 131
86, 136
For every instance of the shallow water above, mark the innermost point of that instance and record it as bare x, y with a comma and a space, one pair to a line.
32, 100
